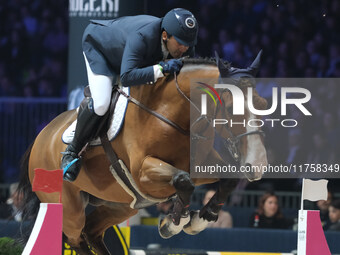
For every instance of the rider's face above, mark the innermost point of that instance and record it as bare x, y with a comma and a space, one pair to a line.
175, 49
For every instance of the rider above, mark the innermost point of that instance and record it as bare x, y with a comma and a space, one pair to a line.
141, 49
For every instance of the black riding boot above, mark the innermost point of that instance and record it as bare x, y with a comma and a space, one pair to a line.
87, 121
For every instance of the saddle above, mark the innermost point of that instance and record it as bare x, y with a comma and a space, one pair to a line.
111, 122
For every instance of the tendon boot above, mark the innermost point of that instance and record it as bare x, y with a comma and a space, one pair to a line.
87, 121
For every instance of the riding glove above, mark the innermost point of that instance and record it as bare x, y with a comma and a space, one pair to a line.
171, 66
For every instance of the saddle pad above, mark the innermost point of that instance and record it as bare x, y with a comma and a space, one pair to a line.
115, 125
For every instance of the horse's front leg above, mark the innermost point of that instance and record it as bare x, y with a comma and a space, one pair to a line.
200, 219
209, 213
179, 216
160, 179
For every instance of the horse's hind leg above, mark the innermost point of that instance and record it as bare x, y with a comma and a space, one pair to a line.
102, 218
161, 179
199, 220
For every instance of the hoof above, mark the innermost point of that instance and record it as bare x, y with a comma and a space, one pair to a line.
167, 228
196, 224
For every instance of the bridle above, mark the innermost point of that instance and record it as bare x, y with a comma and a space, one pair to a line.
232, 142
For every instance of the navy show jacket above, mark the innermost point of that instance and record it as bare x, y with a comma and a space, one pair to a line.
128, 46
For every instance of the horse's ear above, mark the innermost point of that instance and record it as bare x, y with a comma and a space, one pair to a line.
224, 69
254, 67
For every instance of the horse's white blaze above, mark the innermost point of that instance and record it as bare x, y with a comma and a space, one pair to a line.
256, 153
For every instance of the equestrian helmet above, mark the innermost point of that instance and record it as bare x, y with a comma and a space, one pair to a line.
181, 24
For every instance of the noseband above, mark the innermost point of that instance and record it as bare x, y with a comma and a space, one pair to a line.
232, 143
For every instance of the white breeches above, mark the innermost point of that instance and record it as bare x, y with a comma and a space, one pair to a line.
101, 88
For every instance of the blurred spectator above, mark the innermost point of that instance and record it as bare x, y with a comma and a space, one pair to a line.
35, 33
56, 40
323, 206
5, 210
45, 88
7, 88
294, 44
334, 215
12, 204
75, 98
320, 151
268, 214
224, 220
296, 153
331, 132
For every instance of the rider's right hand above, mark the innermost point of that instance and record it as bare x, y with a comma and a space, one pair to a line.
171, 66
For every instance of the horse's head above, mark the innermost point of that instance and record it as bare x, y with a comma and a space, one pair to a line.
244, 142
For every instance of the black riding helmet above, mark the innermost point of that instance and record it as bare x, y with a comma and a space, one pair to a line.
181, 24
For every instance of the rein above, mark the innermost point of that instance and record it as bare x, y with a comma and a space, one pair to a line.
193, 135
154, 113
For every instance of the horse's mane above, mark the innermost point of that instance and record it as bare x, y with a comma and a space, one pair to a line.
199, 61
202, 61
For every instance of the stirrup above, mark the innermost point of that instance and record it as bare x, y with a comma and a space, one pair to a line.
69, 165
72, 158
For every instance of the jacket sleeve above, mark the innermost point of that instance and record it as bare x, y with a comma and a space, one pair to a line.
133, 56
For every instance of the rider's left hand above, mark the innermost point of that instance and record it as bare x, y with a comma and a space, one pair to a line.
171, 66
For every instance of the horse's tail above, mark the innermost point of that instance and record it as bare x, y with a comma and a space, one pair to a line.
29, 203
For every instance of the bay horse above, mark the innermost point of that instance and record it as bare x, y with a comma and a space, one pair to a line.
155, 153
